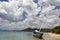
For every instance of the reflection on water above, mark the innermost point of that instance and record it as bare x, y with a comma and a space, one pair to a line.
17, 36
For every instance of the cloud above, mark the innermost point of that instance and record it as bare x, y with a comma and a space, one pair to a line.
21, 14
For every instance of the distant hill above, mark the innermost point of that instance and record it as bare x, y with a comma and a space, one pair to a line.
29, 29
33, 29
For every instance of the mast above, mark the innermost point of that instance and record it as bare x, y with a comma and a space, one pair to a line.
41, 5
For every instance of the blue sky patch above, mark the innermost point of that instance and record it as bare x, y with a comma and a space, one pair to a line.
38, 14
57, 7
36, 1
24, 16
3, 0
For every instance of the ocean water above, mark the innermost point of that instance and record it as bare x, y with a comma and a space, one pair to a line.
17, 36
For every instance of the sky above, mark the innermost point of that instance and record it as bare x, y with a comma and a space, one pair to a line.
21, 14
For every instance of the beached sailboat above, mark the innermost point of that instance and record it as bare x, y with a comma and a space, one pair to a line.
37, 34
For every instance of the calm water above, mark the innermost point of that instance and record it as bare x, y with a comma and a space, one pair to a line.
17, 36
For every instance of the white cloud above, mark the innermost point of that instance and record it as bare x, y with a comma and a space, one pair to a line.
11, 14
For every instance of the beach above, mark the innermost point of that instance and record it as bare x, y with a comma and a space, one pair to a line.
51, 36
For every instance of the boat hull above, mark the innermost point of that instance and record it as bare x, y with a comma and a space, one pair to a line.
38, 35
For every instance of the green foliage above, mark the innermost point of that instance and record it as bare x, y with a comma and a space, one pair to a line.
59, 16
56, 30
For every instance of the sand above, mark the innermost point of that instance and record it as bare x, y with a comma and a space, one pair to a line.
51, 36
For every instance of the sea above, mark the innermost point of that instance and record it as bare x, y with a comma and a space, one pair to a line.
6, 35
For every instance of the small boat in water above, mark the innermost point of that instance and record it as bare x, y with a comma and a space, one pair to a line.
38, 34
